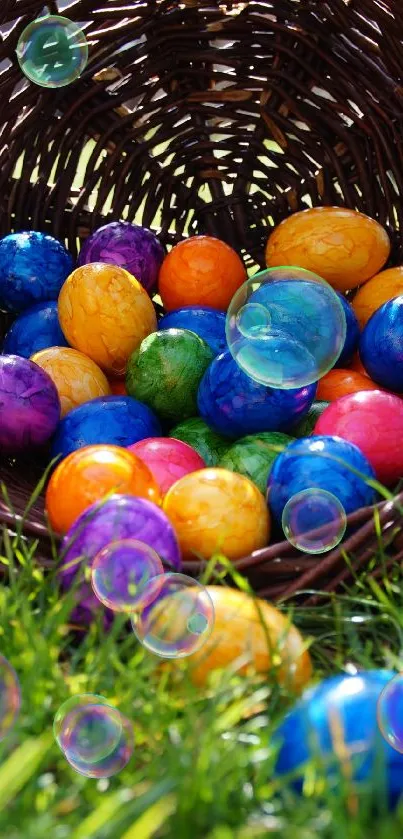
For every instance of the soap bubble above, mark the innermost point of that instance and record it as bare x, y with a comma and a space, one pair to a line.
52, 51
285, 327
10, 697
390, 712
178, 618
314, 520
120, 572
95, 738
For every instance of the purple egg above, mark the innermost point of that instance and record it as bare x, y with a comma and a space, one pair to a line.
29, 405
130, 246
120, 517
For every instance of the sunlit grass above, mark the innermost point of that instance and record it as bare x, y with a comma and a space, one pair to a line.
203, 761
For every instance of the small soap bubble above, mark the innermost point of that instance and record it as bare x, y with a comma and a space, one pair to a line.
390, 712
285, 327
120, 572
95, 738
52, 51
10, 697
178, 618
314, 521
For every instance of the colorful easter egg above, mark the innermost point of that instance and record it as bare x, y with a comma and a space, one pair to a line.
381, 345
250, 634
119, 517
29, 405
346, 705
105, 313
77, 378
324, 462
339, 382
167, 459
35, 329
377, 291
253, 456
89, 475
33, 268
166, 370
200, 271
209, 445
215, 510
373, 421
352, 333
206, 322
234, 405
134, 248
117, 420
343, 246
306, 425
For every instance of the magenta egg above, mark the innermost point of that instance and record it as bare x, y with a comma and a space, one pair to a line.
168, 459
373, 421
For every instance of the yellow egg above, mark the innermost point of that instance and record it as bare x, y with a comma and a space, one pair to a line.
376, 291
77, 378
344, 247
105, 314
217, 510
254, 634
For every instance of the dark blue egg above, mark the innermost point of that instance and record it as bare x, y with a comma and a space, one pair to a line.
347, 703
36, 329
33, 268
324, 463
208, 323
352, 333
381, 345
234, 405
117, 420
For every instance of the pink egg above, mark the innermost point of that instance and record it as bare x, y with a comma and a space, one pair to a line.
168, 459
373, 420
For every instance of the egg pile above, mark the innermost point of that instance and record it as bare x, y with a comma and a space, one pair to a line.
251, 405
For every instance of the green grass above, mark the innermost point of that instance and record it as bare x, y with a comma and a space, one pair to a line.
203, 761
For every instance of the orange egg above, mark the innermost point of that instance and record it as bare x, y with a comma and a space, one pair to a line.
358, 366
88, 475
344, 247
217, 510
340, 382
200, 271
77, 378
105, 313
118, 387
249, 633
376, 292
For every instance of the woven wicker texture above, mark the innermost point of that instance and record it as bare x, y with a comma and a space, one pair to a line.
211, 118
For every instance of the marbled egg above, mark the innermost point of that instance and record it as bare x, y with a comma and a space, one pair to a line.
135, 248
35, 329
381, 345
343, 246
33, 268
323, 463
77, 378
234, 405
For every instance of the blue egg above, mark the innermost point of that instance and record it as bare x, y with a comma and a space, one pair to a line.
350, 703
324, 463
352, 333
117, 420
33, 268
208, 323
381, 345
35, 329
234, 405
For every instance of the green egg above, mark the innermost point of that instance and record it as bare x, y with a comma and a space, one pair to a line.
210, 445
305, 426
254, 455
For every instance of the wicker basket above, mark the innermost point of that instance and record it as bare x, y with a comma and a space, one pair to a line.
206, 117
